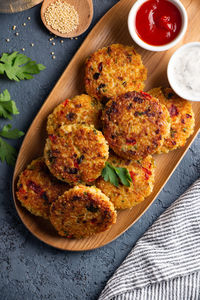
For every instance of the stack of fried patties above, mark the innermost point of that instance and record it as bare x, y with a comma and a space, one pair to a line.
116, 124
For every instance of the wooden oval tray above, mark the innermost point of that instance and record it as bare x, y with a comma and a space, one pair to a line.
112, 28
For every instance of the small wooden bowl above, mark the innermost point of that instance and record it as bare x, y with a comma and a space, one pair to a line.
84, 9
13, 6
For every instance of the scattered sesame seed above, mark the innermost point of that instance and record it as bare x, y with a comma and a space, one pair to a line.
23, 49
52, 53
24, 24
7, 40
32, 44
62, 41
17, 33
53, 44
71, 38
55, 36
14, 27
53, 57
62, 16
76, 38
29, 18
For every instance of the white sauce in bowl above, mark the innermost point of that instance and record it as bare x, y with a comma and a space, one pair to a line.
184, 71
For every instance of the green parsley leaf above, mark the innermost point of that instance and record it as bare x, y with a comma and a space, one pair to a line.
109, 174
7, 106
9, 133
7, 153
116, 174
124, 176
18, 66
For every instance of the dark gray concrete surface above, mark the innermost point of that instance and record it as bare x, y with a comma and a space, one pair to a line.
29, 269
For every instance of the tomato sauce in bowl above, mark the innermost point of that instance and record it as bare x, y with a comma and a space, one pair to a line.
157, 25
158, 22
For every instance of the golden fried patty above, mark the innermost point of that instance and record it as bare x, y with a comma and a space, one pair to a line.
113, 71
76, 153
135, 124
142, 174
81, 109
182, 118
81, 212
37, 188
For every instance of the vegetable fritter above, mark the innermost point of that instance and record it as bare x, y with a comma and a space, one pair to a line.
82, 212
182, 118
37, 188
142, 174
113, 71
76, 153
135, 125
81, 109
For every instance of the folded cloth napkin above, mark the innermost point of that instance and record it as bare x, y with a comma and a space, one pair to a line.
165, 262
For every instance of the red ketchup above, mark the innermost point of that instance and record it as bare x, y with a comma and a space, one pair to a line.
158, 22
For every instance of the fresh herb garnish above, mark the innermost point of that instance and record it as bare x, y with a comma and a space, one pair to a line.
15, 66
7, 106
9, 133
7, 152
18, 66
116, 175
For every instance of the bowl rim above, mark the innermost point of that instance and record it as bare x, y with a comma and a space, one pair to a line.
174, 86
140, 42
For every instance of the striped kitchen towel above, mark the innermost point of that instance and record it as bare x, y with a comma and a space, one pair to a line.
165, 262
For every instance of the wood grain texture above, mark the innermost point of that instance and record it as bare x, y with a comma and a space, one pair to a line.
12, 6
84, 9
112, 28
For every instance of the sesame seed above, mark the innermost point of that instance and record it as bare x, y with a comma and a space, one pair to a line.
71, 38
62, 41
17, 33
24, 24
32, 44
53, 57
52, 53
7, 40
76, 38
14, 27
23, 49
29, 18
62, 16
53, 44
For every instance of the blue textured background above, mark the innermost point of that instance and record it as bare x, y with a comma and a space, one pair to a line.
28, 268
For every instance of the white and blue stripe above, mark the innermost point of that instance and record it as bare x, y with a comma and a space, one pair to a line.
165, 263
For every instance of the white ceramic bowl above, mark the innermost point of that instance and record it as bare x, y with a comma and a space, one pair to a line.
141, 43
181, 88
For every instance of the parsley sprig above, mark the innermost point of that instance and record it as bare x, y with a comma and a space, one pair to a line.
7, 109
15, 66
18, 66
9, 133
7, 106
7, 152
116, 175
